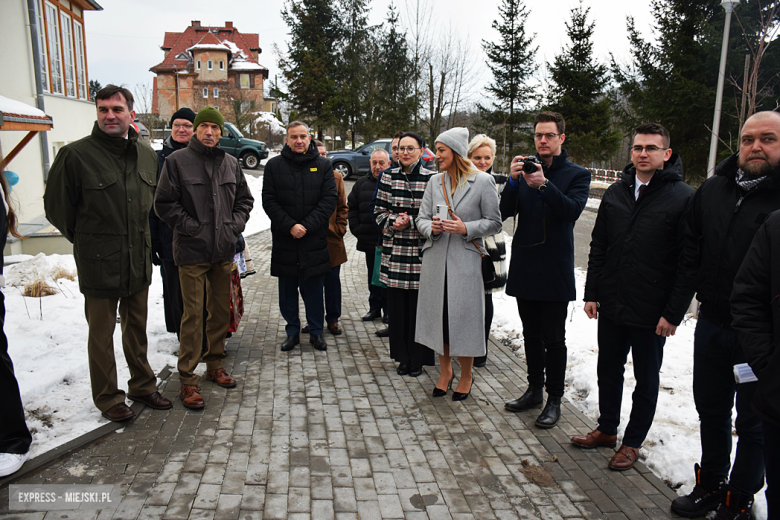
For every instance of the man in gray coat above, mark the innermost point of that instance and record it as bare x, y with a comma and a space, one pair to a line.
203, 196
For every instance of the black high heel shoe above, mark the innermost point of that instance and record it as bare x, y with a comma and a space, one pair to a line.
457, 396
438, 392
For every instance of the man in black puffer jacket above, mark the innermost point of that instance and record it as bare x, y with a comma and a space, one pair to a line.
363, 226
755, 305
633, 287
299, 196
725, 214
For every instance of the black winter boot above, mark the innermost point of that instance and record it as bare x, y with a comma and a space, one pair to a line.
532, 398
551, 413
704, 498
734, 504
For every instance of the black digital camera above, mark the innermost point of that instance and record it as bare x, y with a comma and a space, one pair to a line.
529, 164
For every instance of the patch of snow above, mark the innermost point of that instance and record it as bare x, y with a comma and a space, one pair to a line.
593, 204
156, 144
235, 49
673, 444
271, 155
11, 106
15, 259
258, 220
276, 126
245, 65
39, 266
208, 47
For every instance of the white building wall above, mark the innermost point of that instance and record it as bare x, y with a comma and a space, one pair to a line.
73, 118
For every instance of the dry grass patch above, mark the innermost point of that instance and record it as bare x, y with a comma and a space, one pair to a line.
60, 272
38, 288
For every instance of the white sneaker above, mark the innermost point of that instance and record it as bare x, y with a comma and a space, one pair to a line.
11, 462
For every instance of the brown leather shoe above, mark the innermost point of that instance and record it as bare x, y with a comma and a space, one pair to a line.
190, 397
119, 412
624, 458
334, 328
221, 377
594, 439
153, 400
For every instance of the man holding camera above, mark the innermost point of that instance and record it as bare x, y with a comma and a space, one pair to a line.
547, 194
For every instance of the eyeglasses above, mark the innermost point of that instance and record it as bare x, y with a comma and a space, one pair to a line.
394, 148
650, 149
548, 136
177, 126
407, 149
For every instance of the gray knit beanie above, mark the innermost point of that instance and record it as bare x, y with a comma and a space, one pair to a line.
456, 138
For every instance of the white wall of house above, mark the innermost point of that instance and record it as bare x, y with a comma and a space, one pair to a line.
73, 118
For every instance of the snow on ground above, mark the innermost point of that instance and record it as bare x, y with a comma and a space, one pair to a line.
672, 445
47, 340
271, 155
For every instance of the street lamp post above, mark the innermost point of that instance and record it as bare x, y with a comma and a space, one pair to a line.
728, 6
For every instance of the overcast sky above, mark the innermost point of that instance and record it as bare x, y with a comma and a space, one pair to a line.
123, 40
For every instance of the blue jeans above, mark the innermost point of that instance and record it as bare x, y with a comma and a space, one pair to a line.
333, 295
716, 350
647, 353
311, 292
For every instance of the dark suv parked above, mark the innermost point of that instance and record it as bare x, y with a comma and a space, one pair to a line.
356, 162
249, 151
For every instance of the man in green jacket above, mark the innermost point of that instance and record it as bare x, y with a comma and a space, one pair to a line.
99, 193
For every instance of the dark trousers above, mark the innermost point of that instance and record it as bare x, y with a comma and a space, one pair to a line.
402, 310
377, 296
101, 318
647, 352
332, 286
772, 464
14, 435
174, 308
715, 352
544, 335
488, 323
311, 293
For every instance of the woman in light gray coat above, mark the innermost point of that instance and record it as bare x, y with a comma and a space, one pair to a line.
451, 306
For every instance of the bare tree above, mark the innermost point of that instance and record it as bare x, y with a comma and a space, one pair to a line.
417, 24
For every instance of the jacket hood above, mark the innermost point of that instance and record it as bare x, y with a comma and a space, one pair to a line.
201, 149
671, 172
301, 158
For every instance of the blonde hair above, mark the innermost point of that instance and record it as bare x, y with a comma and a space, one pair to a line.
463, 170
481, 140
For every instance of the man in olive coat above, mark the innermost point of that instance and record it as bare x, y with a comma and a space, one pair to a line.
203, 196
99, 193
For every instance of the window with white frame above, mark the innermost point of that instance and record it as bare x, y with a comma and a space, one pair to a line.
81, 72
216, 92
67, 53
205, 93
211, 65
197, 65
221, 64
53, 36
43, 56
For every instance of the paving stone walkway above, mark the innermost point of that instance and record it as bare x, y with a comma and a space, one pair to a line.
339, 435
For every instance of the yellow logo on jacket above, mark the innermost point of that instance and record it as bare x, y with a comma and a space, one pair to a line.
312, 169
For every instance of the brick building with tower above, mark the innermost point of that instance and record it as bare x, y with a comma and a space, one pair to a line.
215, 66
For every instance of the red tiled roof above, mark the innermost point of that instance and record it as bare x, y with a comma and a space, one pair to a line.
180, 42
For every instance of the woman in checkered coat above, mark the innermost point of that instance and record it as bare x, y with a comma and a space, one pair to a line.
399, 194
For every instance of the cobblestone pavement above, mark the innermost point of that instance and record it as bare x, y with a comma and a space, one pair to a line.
338, 435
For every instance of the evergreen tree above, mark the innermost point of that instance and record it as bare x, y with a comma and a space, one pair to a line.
94, 87
353, 67
512, 62
577, 92
674, 82
310, 66
394, 99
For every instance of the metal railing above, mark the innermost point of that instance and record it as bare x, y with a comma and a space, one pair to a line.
606, 176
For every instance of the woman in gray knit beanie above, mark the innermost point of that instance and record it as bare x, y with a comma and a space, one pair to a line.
459, 208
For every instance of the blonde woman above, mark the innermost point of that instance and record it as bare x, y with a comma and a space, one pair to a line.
482, 153
450, 313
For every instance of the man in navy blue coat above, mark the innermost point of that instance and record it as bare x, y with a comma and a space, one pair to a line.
546, 203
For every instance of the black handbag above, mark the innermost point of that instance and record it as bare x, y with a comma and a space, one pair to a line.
488, 267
